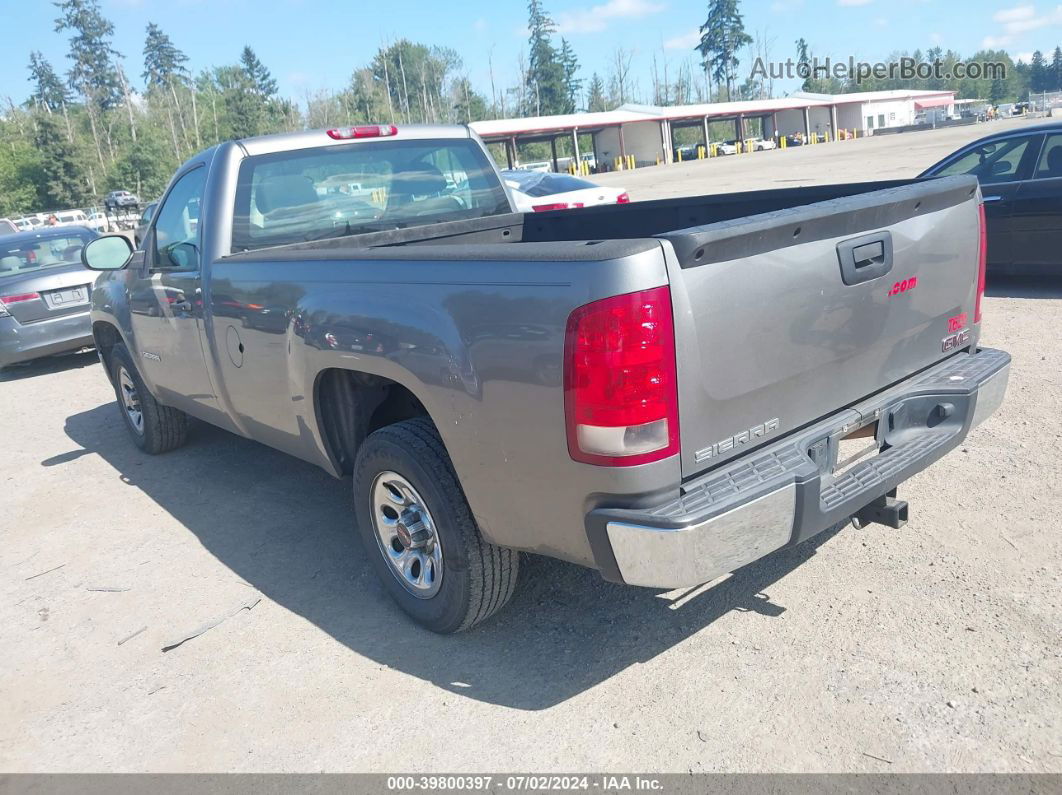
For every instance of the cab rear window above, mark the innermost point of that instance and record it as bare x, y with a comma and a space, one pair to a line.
365, 186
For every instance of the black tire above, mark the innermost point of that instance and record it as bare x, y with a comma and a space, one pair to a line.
477, 577
162, 428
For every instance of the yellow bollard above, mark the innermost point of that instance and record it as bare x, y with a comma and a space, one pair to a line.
783, 142
633, 164
679, 153
826, 137
737, 145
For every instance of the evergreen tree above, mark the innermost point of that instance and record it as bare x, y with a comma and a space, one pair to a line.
1038, 78
164, 64
244, 110
804, 63
62, 181
261, 80
547, 93
93, 74
722, 37
595, 94
1056, 70
572, 84
48, 90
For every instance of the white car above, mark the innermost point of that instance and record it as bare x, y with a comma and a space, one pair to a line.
71, 218
534, 191
762, 144
726, 148
96, 221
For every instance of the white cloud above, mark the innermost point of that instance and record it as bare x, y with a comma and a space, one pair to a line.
1015, 14
1025, 57
854, 2
597, 18
935, 38
684, 41
881, 22
1018, 20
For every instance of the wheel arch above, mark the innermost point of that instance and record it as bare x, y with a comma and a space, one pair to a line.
351, 404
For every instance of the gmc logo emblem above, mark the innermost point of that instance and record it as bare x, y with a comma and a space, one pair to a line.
954, 341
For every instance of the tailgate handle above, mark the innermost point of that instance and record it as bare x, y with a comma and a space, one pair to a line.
865, 258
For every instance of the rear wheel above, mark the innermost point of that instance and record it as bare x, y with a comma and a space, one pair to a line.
154, 428
418, 531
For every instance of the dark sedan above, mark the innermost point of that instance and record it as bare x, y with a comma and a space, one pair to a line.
44, 293
1020, 172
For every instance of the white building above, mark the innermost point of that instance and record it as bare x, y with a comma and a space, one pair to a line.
646, 131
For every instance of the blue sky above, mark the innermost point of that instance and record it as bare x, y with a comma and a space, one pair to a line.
315, 44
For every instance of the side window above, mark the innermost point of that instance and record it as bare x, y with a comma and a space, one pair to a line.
1050, 164
176, 229
991, 162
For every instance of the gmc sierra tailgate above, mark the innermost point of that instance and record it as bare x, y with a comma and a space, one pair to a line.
785, 317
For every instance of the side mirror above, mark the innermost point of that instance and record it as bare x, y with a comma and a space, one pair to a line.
107, 253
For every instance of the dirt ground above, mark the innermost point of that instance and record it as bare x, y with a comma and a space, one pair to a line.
930, 648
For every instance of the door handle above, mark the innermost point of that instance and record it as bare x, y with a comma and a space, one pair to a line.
987, 199
184, 305
865, 258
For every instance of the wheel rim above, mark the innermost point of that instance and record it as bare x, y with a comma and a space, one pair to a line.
405, 533
130, 400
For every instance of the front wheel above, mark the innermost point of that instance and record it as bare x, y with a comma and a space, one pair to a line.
418, 531
154, 428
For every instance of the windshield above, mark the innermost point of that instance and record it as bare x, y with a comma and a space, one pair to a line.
333, 191
19, 255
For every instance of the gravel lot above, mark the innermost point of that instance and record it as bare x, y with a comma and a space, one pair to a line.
935, 647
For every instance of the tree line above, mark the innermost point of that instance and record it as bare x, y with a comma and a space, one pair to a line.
89, 129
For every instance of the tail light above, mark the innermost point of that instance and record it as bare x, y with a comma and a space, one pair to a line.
620, 393
6, 300
363, 131
982, 261
15, 299
623, 198
543, 208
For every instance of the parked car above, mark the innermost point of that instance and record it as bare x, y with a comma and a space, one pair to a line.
535, 191
726, 148
71, 218
120, 199
794, 139
1020, 172
763, 144
44, 293
663, 391
142, 224
7, 227
96, 220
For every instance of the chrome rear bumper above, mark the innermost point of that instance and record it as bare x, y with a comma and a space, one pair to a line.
785, 492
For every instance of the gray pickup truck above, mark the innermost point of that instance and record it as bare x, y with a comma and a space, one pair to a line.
664, 391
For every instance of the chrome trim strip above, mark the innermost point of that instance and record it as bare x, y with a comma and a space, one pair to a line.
662, 558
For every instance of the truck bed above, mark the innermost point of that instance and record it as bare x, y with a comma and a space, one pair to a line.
770, 337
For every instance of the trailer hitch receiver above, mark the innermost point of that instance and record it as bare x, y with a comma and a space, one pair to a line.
886, 510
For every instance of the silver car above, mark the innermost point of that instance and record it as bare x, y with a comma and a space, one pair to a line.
44, 293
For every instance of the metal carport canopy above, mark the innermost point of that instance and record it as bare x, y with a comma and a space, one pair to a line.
499, 129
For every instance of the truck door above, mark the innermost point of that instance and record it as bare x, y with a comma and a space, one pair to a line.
1037, 213
166, 303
